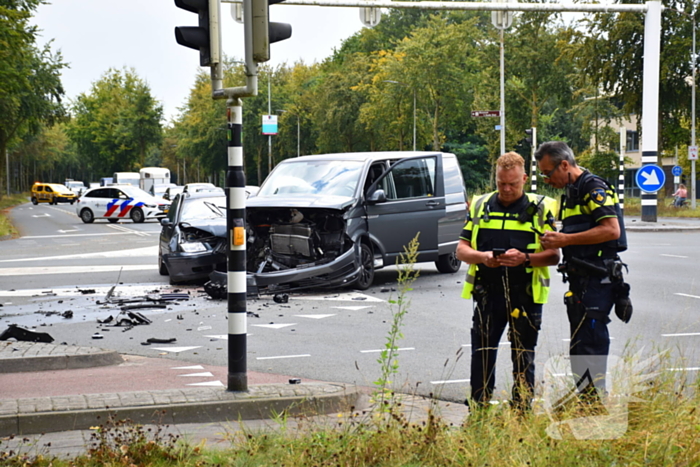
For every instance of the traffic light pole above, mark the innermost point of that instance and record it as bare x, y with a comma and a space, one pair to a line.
236, 274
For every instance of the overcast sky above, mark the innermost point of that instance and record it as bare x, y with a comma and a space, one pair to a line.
94, 35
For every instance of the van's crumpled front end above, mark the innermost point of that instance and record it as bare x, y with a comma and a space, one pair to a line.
299, 248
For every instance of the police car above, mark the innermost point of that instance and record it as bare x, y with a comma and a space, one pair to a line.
119, 202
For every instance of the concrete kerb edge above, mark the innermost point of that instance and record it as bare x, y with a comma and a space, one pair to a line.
60, 362
199, 412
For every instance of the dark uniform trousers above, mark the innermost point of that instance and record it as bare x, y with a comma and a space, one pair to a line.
588, 309
491, 316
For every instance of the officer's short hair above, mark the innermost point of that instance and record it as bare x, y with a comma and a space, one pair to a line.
557, 151
510, 160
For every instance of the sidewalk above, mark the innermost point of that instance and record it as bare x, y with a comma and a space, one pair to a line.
57, 394
663, 224
48, 388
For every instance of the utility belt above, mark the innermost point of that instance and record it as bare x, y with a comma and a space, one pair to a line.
609, 271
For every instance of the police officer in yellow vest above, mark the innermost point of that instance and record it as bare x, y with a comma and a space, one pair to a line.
592, 235
508, 277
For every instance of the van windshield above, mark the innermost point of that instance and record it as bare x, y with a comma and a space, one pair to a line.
298, 178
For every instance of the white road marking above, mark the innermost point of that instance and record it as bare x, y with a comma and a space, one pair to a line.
134, 252
140, 289
348, 296
68, 231
352, 308
687, 295
128, 230
204, 374
203, 328
74, 269
191, 367
314, 316
692, 368
681, 334
274, 326
450, 381
382, 350
500, 343
208, 383
177, 349
673, 256
34, 237
46, 214
283, 356
220, 336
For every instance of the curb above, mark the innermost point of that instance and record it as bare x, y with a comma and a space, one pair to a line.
20, 357
190, 405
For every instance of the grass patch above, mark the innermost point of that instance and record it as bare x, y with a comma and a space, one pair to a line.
664, 208
7, 202
661, 429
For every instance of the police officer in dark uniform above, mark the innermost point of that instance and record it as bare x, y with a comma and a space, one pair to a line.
508, 278
590, 239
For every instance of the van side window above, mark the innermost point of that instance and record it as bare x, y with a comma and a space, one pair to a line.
414, 178
453, 178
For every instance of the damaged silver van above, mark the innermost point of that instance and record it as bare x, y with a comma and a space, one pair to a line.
332, 220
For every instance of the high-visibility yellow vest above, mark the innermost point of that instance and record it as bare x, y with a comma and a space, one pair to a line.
546, 207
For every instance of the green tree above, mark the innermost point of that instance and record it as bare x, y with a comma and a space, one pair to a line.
30, 85
116, 123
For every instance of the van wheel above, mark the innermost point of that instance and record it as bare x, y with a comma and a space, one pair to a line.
34, 201
72, 201
448, 264
137, 216
364, 281
87, 216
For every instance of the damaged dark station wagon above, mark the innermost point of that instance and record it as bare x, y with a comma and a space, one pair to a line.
332, 220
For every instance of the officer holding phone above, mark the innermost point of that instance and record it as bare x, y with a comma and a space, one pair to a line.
508, 278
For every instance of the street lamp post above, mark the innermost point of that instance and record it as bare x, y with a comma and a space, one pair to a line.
692, 128
414, 107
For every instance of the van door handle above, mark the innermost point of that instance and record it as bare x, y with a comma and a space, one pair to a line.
433, 203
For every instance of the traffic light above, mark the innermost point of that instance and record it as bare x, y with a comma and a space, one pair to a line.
206, 36
265, 32
528, 138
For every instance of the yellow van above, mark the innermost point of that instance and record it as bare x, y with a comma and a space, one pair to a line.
52, 193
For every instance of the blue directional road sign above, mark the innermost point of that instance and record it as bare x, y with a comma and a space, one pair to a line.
677, 170
650, 178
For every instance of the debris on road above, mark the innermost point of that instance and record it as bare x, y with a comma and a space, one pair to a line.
130, 318
26, 335
155, 340
97, 335
281, 298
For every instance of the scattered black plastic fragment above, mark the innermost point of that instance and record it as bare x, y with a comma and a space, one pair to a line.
295, 381
281, 298
143, 306
22, 334
155, 340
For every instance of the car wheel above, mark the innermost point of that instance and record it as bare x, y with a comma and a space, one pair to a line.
448, 264
52, 201
137, 215
364, 281
34, 201
87, 216
72, 201
162, 268
113, 220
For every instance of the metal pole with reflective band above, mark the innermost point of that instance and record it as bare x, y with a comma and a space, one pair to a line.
235, 223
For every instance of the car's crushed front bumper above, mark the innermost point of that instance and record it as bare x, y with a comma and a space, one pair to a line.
184, 267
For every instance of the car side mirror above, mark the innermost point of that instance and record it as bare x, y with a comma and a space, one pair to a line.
378, 196
165, 222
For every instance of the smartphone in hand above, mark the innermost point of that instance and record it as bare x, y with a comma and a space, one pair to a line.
498, 251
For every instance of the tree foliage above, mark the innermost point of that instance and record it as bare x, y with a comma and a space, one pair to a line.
30, 85
116, 123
